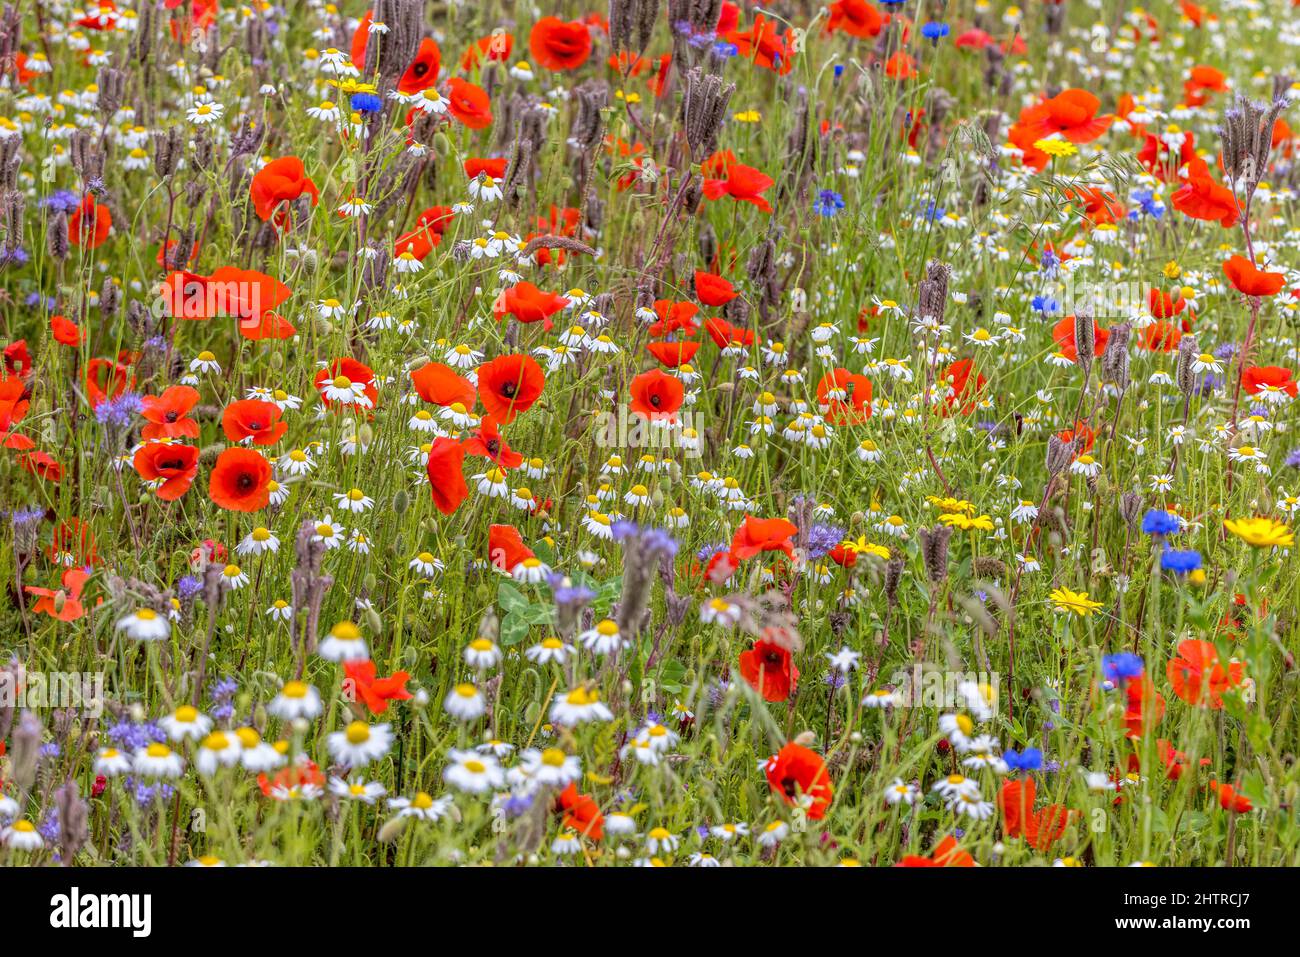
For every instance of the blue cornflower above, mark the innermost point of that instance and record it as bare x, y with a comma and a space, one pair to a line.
1031, 759
934, 31
367, 102
828, 203
1159, 522
1180, 562
1046, 305
1148, 204
723, 48
1121, 666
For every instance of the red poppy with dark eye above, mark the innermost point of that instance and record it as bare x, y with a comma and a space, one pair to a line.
253, 419
769, 670
174, 463
656, 396
167, 414
509, 385
491, 444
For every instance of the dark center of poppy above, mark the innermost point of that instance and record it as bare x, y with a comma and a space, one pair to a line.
493, 446
509, 389
173, 416
245, 481
790, 786
419, 69
772, 658
656, 401
255, 426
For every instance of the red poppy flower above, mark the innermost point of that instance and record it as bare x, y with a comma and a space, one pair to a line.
106, 379
743, 183
509, 385
769, 670
1071, 114
724, 334
172, 462
1039, 828
1272, 379
441, 385
527, 303
1201, 81
557, 45
1080, 430
1201, 197
270, 325
844, 396
763, 535
581, 813
469, 104
73, 543
797, 773
857, 18
229, 291
240, 481
17, 359
253, 419
373, 692
301, 774
1163, 162
656, 396
346, 374
506, 547
65, 331
673, 354
491, 444
1160, 337
1144, 707
1198, 676
674, 317
945, 854
1101, 206
423, 70
900, 66
1230, 799
427, 234
491, 168
89, 224
279, 181
1063, 333
763, 46
73, 581
167, 414
1249, 281
494, 46
713, 290
42, 465
446, 478
963, 378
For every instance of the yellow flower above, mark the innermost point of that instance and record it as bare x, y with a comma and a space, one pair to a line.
1260, 532
1077, 602
956, 519
747, 116
951, 504
864, 547
1056, 147
1173, 270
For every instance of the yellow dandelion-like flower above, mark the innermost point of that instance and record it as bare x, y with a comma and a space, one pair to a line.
1260, 532
1056, 147
1077, 602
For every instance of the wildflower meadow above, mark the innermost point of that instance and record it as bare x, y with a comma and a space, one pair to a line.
683, 433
